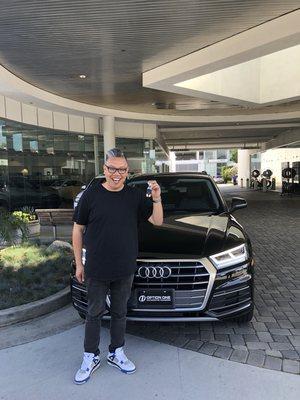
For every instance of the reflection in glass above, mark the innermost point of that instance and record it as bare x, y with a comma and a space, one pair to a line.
33, 144
43, 168
3, 142
17, 142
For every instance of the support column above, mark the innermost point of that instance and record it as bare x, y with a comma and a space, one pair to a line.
96, 155
244, 164
109, 137
172, 161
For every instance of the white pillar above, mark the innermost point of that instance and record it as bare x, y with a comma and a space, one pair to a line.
96, 154
172, 161
109, 137
244, 164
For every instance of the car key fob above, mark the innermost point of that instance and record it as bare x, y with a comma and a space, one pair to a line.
149, 191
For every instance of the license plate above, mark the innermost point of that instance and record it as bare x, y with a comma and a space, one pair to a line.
155, 298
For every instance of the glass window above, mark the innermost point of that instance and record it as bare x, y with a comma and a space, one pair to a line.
35, 162
17, 142
209, 155
186, 194
221, 154
185, 156
137, 152
187, 167
3, 141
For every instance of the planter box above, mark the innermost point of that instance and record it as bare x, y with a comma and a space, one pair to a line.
34, 228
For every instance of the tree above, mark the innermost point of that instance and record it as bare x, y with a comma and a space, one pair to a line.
234, 155
226, 173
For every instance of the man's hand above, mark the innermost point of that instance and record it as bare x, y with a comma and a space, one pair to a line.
157, 213
79, 273
156, 192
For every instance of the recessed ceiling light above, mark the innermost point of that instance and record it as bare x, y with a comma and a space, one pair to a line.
82, 76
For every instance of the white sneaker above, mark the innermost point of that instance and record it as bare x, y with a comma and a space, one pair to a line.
89, 364
118, 359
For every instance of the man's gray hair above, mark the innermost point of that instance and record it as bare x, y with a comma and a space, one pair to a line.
114, 153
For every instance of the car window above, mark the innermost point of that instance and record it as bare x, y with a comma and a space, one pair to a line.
186, 194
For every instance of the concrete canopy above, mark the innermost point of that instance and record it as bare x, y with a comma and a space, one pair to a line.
47, 45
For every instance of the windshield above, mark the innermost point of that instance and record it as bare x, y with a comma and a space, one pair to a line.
186, 194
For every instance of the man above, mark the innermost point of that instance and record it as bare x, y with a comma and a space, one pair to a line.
107, 219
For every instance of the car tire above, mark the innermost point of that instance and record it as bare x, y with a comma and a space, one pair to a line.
245, 318
82, 315
255, 173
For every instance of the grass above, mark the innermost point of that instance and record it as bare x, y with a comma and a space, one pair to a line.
29, 272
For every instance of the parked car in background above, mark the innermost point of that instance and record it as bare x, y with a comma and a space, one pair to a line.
197, 266
68, 188
18, 192
98, 179
218, 179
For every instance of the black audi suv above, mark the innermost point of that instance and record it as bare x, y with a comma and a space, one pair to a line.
197, 266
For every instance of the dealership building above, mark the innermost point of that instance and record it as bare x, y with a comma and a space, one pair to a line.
206, 90
180, 105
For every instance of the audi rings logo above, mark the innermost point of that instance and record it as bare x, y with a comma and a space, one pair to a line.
154, 272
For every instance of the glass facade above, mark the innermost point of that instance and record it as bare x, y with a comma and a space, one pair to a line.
210, 161
44, 168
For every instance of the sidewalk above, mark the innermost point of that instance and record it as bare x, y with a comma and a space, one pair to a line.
44, 370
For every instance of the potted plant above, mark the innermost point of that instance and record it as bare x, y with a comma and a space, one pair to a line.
29, 217
12, 229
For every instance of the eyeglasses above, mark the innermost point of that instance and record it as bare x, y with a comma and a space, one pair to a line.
113, 170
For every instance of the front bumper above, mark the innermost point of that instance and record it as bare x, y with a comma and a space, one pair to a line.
227, 294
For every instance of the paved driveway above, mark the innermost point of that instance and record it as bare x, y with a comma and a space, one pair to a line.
272, 339
44, 370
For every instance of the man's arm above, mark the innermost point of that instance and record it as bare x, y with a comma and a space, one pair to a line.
157, 216
77, 236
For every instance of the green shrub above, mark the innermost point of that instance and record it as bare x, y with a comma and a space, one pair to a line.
226, 173
29, 273
25, 217
11, 226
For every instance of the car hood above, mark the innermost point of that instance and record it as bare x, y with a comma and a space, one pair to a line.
190, 236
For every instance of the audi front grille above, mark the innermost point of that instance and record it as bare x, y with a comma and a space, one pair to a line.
190, 279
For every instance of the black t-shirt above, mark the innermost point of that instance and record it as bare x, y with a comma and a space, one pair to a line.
111, 234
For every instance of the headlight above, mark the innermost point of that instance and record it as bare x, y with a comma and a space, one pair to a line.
230, 257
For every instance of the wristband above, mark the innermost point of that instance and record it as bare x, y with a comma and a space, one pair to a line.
156, 201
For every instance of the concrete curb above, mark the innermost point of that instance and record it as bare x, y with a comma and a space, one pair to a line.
35, 309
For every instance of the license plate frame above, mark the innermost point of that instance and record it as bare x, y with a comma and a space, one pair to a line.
155, 298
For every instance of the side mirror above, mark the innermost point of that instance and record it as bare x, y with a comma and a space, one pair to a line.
237, 203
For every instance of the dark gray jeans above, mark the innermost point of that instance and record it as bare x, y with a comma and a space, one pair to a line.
119, 295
